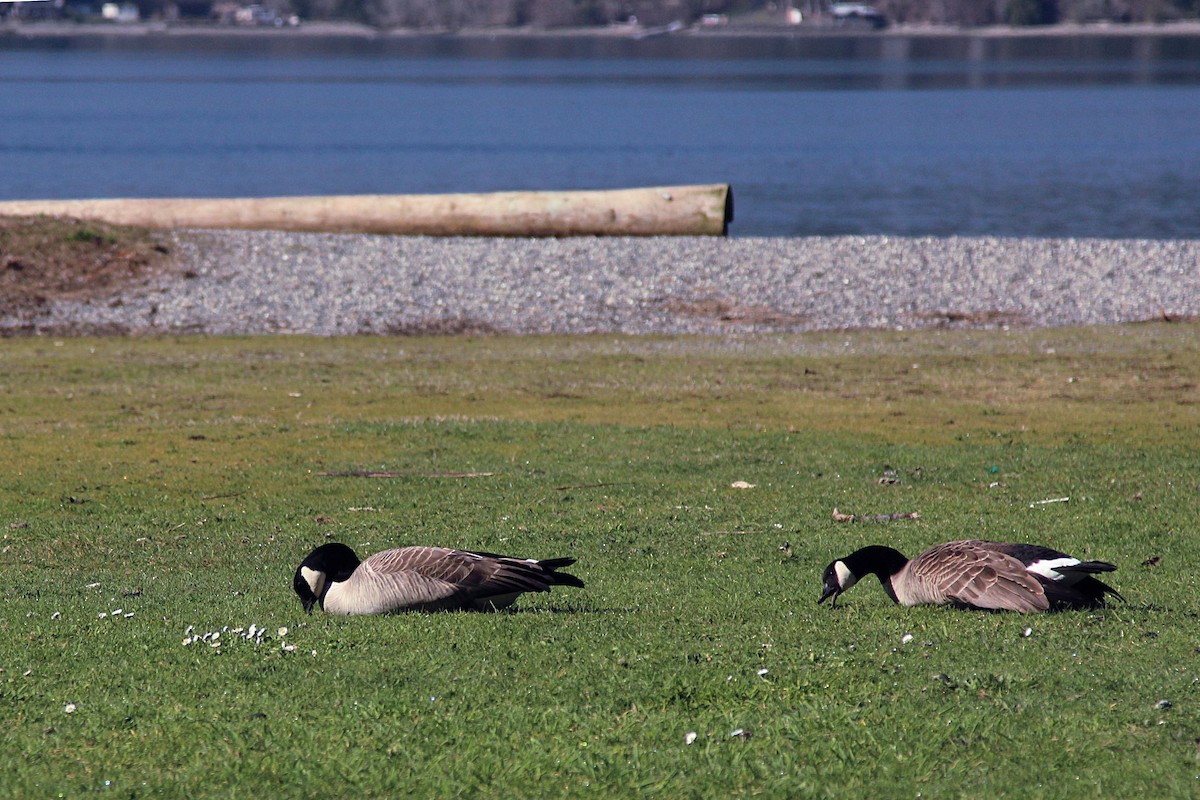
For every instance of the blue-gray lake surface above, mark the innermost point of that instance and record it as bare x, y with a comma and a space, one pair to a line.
817, 135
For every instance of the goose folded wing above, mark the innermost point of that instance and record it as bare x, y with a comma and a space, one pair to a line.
432, 574
968, 574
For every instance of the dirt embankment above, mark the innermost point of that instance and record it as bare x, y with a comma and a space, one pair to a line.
43, 259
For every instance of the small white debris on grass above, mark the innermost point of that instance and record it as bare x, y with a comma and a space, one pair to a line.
101, 615
762, 672
287, 647
906, 638
69, 708
1027, 632
689, 737
742, 485
254, 634
56, 615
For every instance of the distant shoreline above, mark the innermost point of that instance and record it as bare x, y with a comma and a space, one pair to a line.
30, 30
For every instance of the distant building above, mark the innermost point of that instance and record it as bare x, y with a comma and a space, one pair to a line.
857, 15
120, 12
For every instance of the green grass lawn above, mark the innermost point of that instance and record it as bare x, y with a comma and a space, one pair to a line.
178, 483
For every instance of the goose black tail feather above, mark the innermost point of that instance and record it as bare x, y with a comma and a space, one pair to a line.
1087, 567
1086, 592
560, 578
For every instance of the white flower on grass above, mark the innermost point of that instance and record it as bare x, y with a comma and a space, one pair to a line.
689, 737
70, 708
283, 631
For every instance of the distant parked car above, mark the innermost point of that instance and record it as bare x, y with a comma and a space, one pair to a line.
857, 15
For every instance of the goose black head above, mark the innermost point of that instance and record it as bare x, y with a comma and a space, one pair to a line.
328, 564
836, 579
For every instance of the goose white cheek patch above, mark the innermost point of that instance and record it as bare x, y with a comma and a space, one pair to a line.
845, 577
1047, 568
314, 578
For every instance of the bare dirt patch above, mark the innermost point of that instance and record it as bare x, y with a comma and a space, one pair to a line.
714, 308
457, 326
51, 258
972, 319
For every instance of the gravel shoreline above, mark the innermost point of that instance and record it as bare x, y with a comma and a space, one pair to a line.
266, 282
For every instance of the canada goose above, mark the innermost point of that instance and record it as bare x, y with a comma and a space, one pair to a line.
976, 574
421, 579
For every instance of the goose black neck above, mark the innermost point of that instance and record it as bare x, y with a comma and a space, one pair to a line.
881, 561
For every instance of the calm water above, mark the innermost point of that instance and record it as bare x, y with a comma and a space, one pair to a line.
831, 137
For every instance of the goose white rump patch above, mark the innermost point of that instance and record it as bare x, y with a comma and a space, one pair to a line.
1048, 567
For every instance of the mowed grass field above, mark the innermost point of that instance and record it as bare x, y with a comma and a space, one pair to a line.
158, 491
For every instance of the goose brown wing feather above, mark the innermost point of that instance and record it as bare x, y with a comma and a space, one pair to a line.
971, 574
431, 574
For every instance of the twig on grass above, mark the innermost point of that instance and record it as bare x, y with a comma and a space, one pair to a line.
368, 473
565, 487
839, 517
1051, 500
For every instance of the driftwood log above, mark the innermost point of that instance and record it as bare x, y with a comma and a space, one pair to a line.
658, 211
